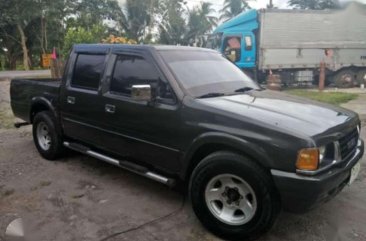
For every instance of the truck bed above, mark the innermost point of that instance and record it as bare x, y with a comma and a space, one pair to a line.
24, 91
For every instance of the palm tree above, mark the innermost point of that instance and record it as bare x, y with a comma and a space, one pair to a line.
172, 24
134, 17
201, 21
232, 8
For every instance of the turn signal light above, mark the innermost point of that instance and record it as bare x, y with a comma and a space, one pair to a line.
308, 159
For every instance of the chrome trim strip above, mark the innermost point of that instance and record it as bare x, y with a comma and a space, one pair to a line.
151, 175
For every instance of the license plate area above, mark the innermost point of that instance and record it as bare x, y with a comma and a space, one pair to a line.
354, 173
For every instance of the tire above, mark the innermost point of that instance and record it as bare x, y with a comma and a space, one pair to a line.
345, 78
361, 76
261, 194
46, 135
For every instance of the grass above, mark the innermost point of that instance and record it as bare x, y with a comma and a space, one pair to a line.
335, 98
6, 119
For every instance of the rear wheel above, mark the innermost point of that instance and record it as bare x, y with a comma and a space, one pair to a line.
46, 136
233, 196
345, 78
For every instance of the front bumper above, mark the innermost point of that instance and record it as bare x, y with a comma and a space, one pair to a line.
300, 193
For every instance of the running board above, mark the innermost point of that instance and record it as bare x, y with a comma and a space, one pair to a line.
143, 171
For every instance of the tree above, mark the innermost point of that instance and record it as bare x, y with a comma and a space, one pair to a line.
232, 8
201, 21
314, 4
30, 19
172, 26
16, 15
135, 18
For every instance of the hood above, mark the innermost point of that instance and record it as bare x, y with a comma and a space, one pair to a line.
284, 111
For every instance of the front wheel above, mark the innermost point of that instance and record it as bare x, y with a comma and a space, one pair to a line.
233, 196
46, 136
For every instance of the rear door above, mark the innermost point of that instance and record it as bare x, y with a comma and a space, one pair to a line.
146, 131
80, 97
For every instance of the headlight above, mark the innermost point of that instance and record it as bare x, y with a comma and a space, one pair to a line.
311, 159
322, 152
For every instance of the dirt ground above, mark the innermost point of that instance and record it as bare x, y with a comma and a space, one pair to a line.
81, 198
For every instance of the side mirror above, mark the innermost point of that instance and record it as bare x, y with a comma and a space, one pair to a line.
141, 93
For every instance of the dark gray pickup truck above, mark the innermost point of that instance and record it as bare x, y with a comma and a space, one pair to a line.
182, 114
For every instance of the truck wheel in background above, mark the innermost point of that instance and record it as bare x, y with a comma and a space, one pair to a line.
361, 76
46, 137
345, 78
233, 196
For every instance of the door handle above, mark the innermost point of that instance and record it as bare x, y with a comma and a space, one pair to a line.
110, 108
70, 100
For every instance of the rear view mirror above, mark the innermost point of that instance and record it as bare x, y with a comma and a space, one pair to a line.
141, 93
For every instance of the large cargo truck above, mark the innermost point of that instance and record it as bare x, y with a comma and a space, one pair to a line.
293, 43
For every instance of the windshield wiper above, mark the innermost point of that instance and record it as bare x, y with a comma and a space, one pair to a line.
244, 89
213, 94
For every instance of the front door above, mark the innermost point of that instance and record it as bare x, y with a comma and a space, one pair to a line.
147, 131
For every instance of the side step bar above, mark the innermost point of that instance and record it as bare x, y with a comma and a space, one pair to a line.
122, 164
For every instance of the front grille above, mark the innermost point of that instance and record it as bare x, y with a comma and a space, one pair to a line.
348, 143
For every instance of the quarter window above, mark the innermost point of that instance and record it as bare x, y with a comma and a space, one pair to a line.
88, 71
132, 70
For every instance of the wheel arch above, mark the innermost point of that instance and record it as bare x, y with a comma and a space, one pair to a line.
39, 104
212, 142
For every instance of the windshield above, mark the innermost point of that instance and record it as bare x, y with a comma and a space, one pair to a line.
204, 72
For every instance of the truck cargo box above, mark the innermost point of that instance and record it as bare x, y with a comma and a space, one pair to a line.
291, 39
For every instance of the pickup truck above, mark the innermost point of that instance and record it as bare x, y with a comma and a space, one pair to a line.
188, 115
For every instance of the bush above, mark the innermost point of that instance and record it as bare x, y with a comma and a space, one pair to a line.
81, 35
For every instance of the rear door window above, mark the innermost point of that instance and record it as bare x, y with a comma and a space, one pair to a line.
88, 71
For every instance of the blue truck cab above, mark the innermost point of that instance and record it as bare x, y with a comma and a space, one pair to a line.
243, 28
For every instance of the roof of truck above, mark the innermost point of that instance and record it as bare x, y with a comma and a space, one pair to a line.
238, 21
108, 47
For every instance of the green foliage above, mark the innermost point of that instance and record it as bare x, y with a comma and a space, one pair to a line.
200, 21
137, 17
314, 4
81, 35
29, 28
232, 8
172, 28
335, 98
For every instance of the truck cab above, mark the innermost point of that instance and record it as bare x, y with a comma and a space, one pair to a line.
237, 39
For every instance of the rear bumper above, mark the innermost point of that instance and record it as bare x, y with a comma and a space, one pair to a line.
300, 193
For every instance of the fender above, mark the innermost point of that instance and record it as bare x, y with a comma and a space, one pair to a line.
256, 152
39, 100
